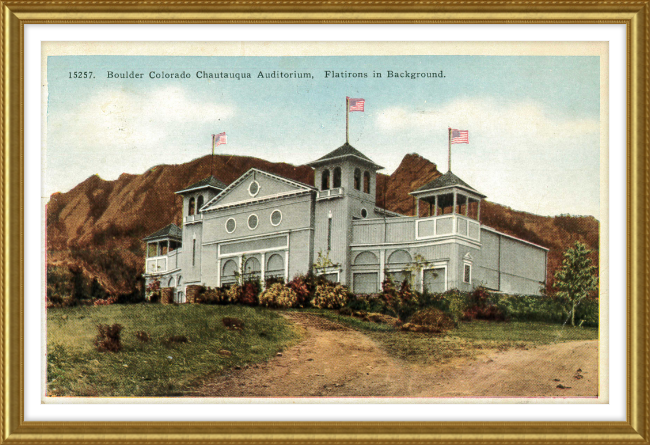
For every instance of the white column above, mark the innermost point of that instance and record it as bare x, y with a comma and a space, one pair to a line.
417, 207
263, 270
435, 213
382, 261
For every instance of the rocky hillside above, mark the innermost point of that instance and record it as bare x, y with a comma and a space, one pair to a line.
96, 228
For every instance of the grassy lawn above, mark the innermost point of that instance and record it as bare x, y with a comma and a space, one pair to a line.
465, 341
156, 367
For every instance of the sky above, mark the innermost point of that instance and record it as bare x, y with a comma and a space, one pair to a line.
533, 121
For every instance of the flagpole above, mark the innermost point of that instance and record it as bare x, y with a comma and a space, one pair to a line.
449, 152
212, 158
347, 119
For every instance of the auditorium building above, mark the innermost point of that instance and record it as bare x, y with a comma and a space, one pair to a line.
263, 225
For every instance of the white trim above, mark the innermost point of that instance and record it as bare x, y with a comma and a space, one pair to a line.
300, 185
181, 192
271, 217
259, 187
255, 252
226, 225
248, 221
264, 236
467, 189
259, 200
418, 243
438, 265
465, 264
366, 272
331, 270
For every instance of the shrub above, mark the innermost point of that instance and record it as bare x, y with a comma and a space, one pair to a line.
279, 295
330, 296
367, 303
244, 294
401, 303
432, 319
232, 323
456, 304
481, 307
108, 338
142, 336
301, 287
212, 296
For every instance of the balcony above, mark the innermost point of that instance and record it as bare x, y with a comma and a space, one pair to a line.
162, 263
329, 194
411, 229
189, 219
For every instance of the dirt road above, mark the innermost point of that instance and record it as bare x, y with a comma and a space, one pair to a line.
335, 361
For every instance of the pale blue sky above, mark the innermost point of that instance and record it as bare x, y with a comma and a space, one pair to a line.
533, 121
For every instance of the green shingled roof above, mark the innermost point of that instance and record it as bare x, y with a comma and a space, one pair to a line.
210, 181
170, 231
344, 151
447, 180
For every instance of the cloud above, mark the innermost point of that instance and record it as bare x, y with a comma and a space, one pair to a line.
488, 118
118, 130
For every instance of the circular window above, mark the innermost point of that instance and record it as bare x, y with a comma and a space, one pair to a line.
364, 213
252, 222
276, 217
254, 188
231, 225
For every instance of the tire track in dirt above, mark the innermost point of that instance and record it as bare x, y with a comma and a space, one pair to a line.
336, 361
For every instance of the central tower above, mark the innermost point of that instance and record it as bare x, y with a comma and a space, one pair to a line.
346, 180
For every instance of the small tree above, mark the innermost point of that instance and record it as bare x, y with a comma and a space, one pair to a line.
576, 278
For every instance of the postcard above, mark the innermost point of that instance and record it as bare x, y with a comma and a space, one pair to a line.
359, 221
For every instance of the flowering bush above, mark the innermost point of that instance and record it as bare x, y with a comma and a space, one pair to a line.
330, 296
152, 293
107, 301
244, 294
302, 286
278, 295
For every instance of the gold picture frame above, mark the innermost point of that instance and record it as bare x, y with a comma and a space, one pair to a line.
634, 15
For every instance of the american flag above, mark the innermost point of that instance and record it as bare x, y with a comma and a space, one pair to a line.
356, 104
459, 136
218, 139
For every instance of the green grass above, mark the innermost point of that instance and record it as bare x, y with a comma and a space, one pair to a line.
465, 341
155, 368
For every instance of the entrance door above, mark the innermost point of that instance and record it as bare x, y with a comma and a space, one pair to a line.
434, 280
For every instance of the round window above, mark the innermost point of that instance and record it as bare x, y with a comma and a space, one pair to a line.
252, 221
276, 217
231, 225
254, 188
364, 213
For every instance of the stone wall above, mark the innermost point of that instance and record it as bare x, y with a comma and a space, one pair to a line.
193, 292
167, 295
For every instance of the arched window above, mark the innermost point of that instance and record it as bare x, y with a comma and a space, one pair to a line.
325, 180
274, 266
228, 272
366, 258
337, 178
366, 182
199, 203
357, 179
252, 269
191, 209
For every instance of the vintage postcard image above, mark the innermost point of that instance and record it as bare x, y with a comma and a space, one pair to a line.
283, 221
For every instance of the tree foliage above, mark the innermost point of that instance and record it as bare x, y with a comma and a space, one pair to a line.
577, 278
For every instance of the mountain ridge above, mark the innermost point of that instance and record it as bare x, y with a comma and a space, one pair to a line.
96, 228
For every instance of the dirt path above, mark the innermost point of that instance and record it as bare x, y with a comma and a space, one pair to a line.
335, 361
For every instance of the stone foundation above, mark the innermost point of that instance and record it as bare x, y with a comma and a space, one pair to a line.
192, 294
167, 295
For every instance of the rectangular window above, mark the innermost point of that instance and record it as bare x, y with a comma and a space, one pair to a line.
193, 252
467, 276
329, 234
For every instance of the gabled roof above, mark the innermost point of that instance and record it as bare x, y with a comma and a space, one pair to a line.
344, 151
210, 181
170, 231
300, 188
445, 181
